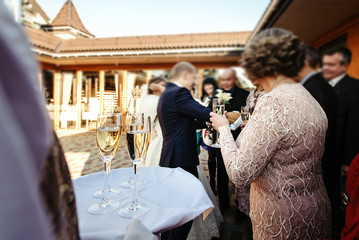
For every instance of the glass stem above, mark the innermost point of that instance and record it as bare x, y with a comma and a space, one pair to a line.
134, 202
107, 175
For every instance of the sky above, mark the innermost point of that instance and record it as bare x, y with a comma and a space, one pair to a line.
111, 18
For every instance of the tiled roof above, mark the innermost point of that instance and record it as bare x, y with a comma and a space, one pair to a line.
68, 16
138, 43
43, 40
204, 40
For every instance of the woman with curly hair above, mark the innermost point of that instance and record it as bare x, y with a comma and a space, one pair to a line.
279, 151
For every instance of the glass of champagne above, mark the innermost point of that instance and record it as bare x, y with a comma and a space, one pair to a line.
245, 115
130, 183
138, 134
219, 108
108, 134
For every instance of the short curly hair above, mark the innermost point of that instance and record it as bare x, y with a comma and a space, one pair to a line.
273, 52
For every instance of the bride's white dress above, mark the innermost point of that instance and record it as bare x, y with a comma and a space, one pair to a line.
201, 230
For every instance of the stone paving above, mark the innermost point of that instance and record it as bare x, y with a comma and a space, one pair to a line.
82, 158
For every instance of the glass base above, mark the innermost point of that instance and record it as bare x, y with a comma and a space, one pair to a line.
103, 207
130, 183
111, 192
133, 210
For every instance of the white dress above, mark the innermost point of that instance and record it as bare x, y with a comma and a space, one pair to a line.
148, 106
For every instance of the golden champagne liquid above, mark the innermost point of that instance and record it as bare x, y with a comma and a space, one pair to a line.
137, 144
245, 117
108, 139
219, 109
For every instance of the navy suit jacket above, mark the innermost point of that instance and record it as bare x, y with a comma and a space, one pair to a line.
347, 138
179, 116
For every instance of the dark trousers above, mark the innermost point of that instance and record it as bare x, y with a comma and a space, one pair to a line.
215, 160
181, 232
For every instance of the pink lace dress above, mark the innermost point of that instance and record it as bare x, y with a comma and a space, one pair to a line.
279, 153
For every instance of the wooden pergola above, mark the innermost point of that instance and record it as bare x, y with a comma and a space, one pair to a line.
124, 54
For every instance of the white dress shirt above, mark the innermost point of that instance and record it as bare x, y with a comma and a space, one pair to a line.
336, 80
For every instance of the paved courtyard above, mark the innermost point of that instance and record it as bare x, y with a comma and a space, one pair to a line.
82, 156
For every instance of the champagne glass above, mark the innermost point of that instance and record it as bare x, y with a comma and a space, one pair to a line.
108, 134
130, 183
245, 115
219, 108
138, 134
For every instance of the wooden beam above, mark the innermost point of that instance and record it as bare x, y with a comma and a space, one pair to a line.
335, 32
124, 91
78, 100
102, 90
200, 82
57, 79
159, 66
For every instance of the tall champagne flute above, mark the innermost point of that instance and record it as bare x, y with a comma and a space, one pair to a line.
108, 134
219, 108
137, 140
138, 125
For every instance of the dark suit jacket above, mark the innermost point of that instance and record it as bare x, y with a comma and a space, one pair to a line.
239, 98
347, 90
325, 95
177, 111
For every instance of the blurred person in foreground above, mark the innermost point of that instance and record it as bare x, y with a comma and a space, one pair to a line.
37, 198
351, 228
279, 151
325, 95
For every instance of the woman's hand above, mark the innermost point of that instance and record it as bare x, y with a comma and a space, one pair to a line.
218, 120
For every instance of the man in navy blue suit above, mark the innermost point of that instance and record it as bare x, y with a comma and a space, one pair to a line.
179, 116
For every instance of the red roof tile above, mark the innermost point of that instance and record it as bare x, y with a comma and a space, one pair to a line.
48, 41
68, 17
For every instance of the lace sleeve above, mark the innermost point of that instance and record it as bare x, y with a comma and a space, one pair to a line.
246, 158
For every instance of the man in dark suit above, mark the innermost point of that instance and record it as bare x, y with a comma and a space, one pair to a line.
325, 95
179, 116
239, 96
335, 64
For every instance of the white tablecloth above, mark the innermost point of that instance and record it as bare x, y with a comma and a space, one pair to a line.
174, 196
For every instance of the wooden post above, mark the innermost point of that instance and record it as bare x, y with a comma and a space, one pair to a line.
57, 79
119, 88
124, 91
90, 86
102, 89
96, 86
78, 99
148, 76
200, 82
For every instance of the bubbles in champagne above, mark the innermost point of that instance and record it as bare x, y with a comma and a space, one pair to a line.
108, 139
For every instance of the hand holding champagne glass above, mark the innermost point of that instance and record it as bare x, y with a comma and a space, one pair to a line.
108, 134
219, 108
138, 135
